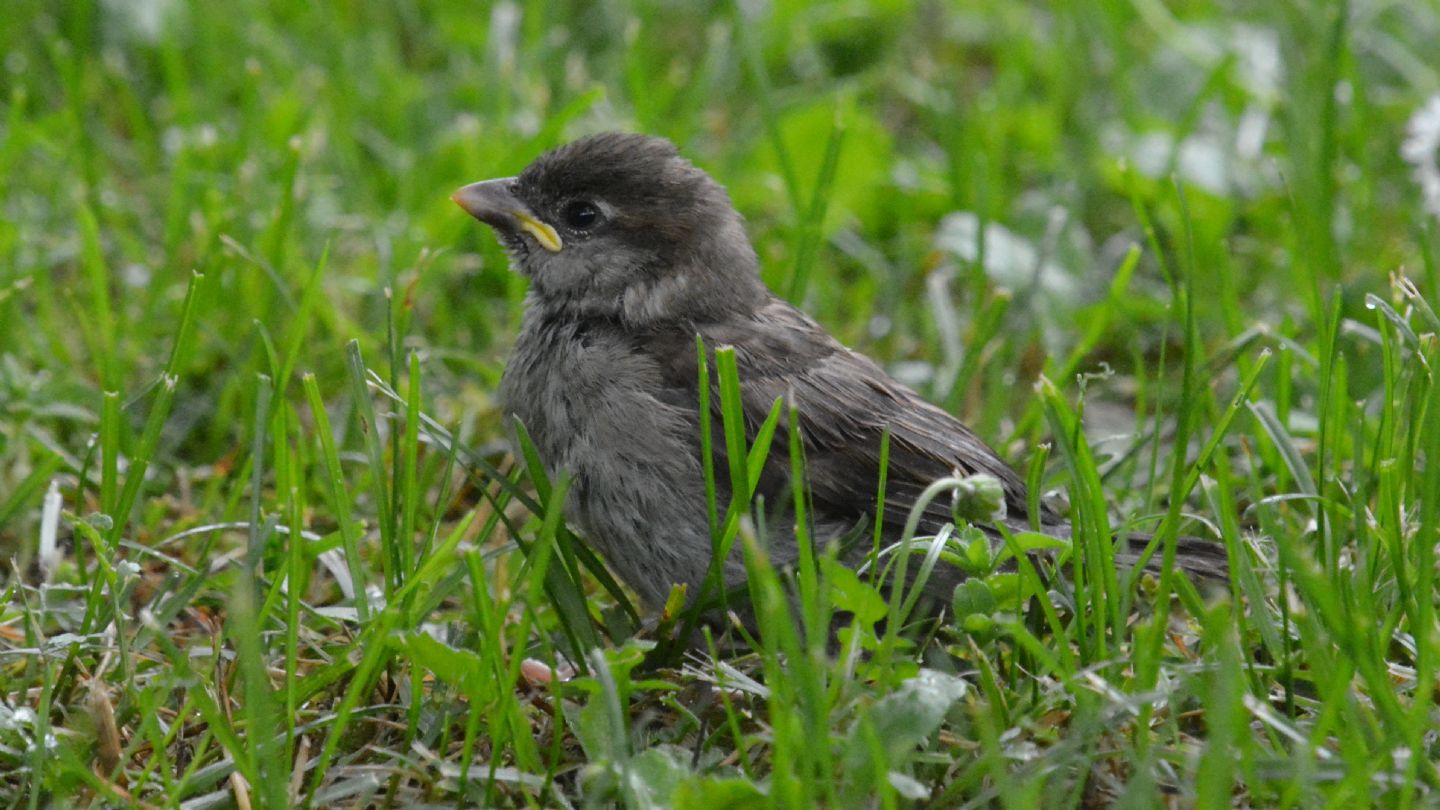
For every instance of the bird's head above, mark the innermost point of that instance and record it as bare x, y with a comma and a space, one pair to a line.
621, 226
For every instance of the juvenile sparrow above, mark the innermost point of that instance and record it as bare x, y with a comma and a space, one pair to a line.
631, 251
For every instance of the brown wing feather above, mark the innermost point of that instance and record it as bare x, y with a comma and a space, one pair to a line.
846, 403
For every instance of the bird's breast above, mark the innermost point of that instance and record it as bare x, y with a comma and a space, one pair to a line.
589, 401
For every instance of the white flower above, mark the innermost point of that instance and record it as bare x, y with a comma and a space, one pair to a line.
1421, 150
49, 553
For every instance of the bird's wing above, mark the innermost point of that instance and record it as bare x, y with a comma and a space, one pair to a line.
846, 403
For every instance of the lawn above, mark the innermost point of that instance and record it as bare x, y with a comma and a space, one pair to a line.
1177, 262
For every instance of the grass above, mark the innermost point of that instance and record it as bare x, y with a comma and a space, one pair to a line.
1168, 258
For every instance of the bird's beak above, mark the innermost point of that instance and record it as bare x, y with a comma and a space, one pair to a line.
494, 203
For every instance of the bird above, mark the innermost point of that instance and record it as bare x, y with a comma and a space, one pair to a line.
631, 251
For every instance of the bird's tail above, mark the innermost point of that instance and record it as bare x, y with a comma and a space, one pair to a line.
1203, 560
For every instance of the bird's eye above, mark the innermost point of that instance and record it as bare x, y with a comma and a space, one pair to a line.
580, 215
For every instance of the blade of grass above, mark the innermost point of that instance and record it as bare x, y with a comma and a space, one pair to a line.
335, 486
